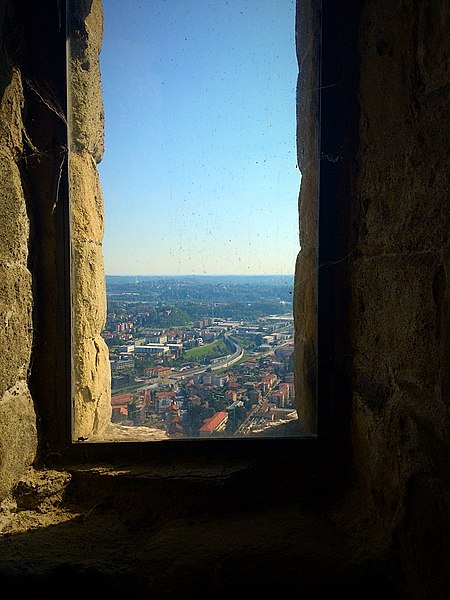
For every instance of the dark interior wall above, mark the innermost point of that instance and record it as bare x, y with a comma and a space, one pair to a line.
34, 152
34, 48
18, 437
35, 45
399, 324
383, 265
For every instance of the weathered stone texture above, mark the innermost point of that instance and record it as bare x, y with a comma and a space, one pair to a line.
92, 387
305, 359
86, 118
401, 355
14, 223
18, 438
400, 328
89, 290
92, 392
11, 127
15, 324
40, 490
91, 371
305, 287
15, 296
87, 217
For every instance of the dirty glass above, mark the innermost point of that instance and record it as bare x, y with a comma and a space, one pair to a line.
199, 186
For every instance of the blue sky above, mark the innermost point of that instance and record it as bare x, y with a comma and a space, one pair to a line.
199, 174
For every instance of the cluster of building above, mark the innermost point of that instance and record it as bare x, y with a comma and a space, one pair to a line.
251, 397
130, 347
155, 385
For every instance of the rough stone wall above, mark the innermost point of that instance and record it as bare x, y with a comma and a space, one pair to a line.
18, 436
91, 373
400, 284
308, 140
33, 156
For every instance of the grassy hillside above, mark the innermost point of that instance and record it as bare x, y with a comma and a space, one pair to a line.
208, 351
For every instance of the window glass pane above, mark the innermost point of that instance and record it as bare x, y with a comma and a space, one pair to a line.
200, 184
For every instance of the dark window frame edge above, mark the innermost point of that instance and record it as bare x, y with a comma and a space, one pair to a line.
64, 449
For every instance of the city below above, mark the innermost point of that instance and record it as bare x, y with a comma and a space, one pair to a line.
202, 356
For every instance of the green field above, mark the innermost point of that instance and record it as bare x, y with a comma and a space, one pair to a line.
213, 350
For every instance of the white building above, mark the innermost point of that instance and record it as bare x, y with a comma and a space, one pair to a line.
151, 349
125, 348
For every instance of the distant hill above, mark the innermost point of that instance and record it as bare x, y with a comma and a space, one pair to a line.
245, 297
265, 280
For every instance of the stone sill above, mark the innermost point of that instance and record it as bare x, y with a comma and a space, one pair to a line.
123, 433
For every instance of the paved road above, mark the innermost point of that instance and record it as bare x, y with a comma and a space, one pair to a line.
177, 376
225, 361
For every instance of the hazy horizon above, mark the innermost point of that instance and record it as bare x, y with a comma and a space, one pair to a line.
135, 275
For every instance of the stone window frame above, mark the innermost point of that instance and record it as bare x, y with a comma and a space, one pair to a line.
323, 138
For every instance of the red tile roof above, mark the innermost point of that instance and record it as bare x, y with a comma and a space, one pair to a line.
121, 399
211, 423
165, 395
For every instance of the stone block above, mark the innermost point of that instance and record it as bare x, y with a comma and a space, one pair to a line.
18, 437
86, 114
15, 323
14, 222
433, 47
394, 331
88, 289
11, 125
305, 318
92, 387
86, 199
385, 87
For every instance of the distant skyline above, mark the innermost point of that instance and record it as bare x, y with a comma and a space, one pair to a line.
199, 174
